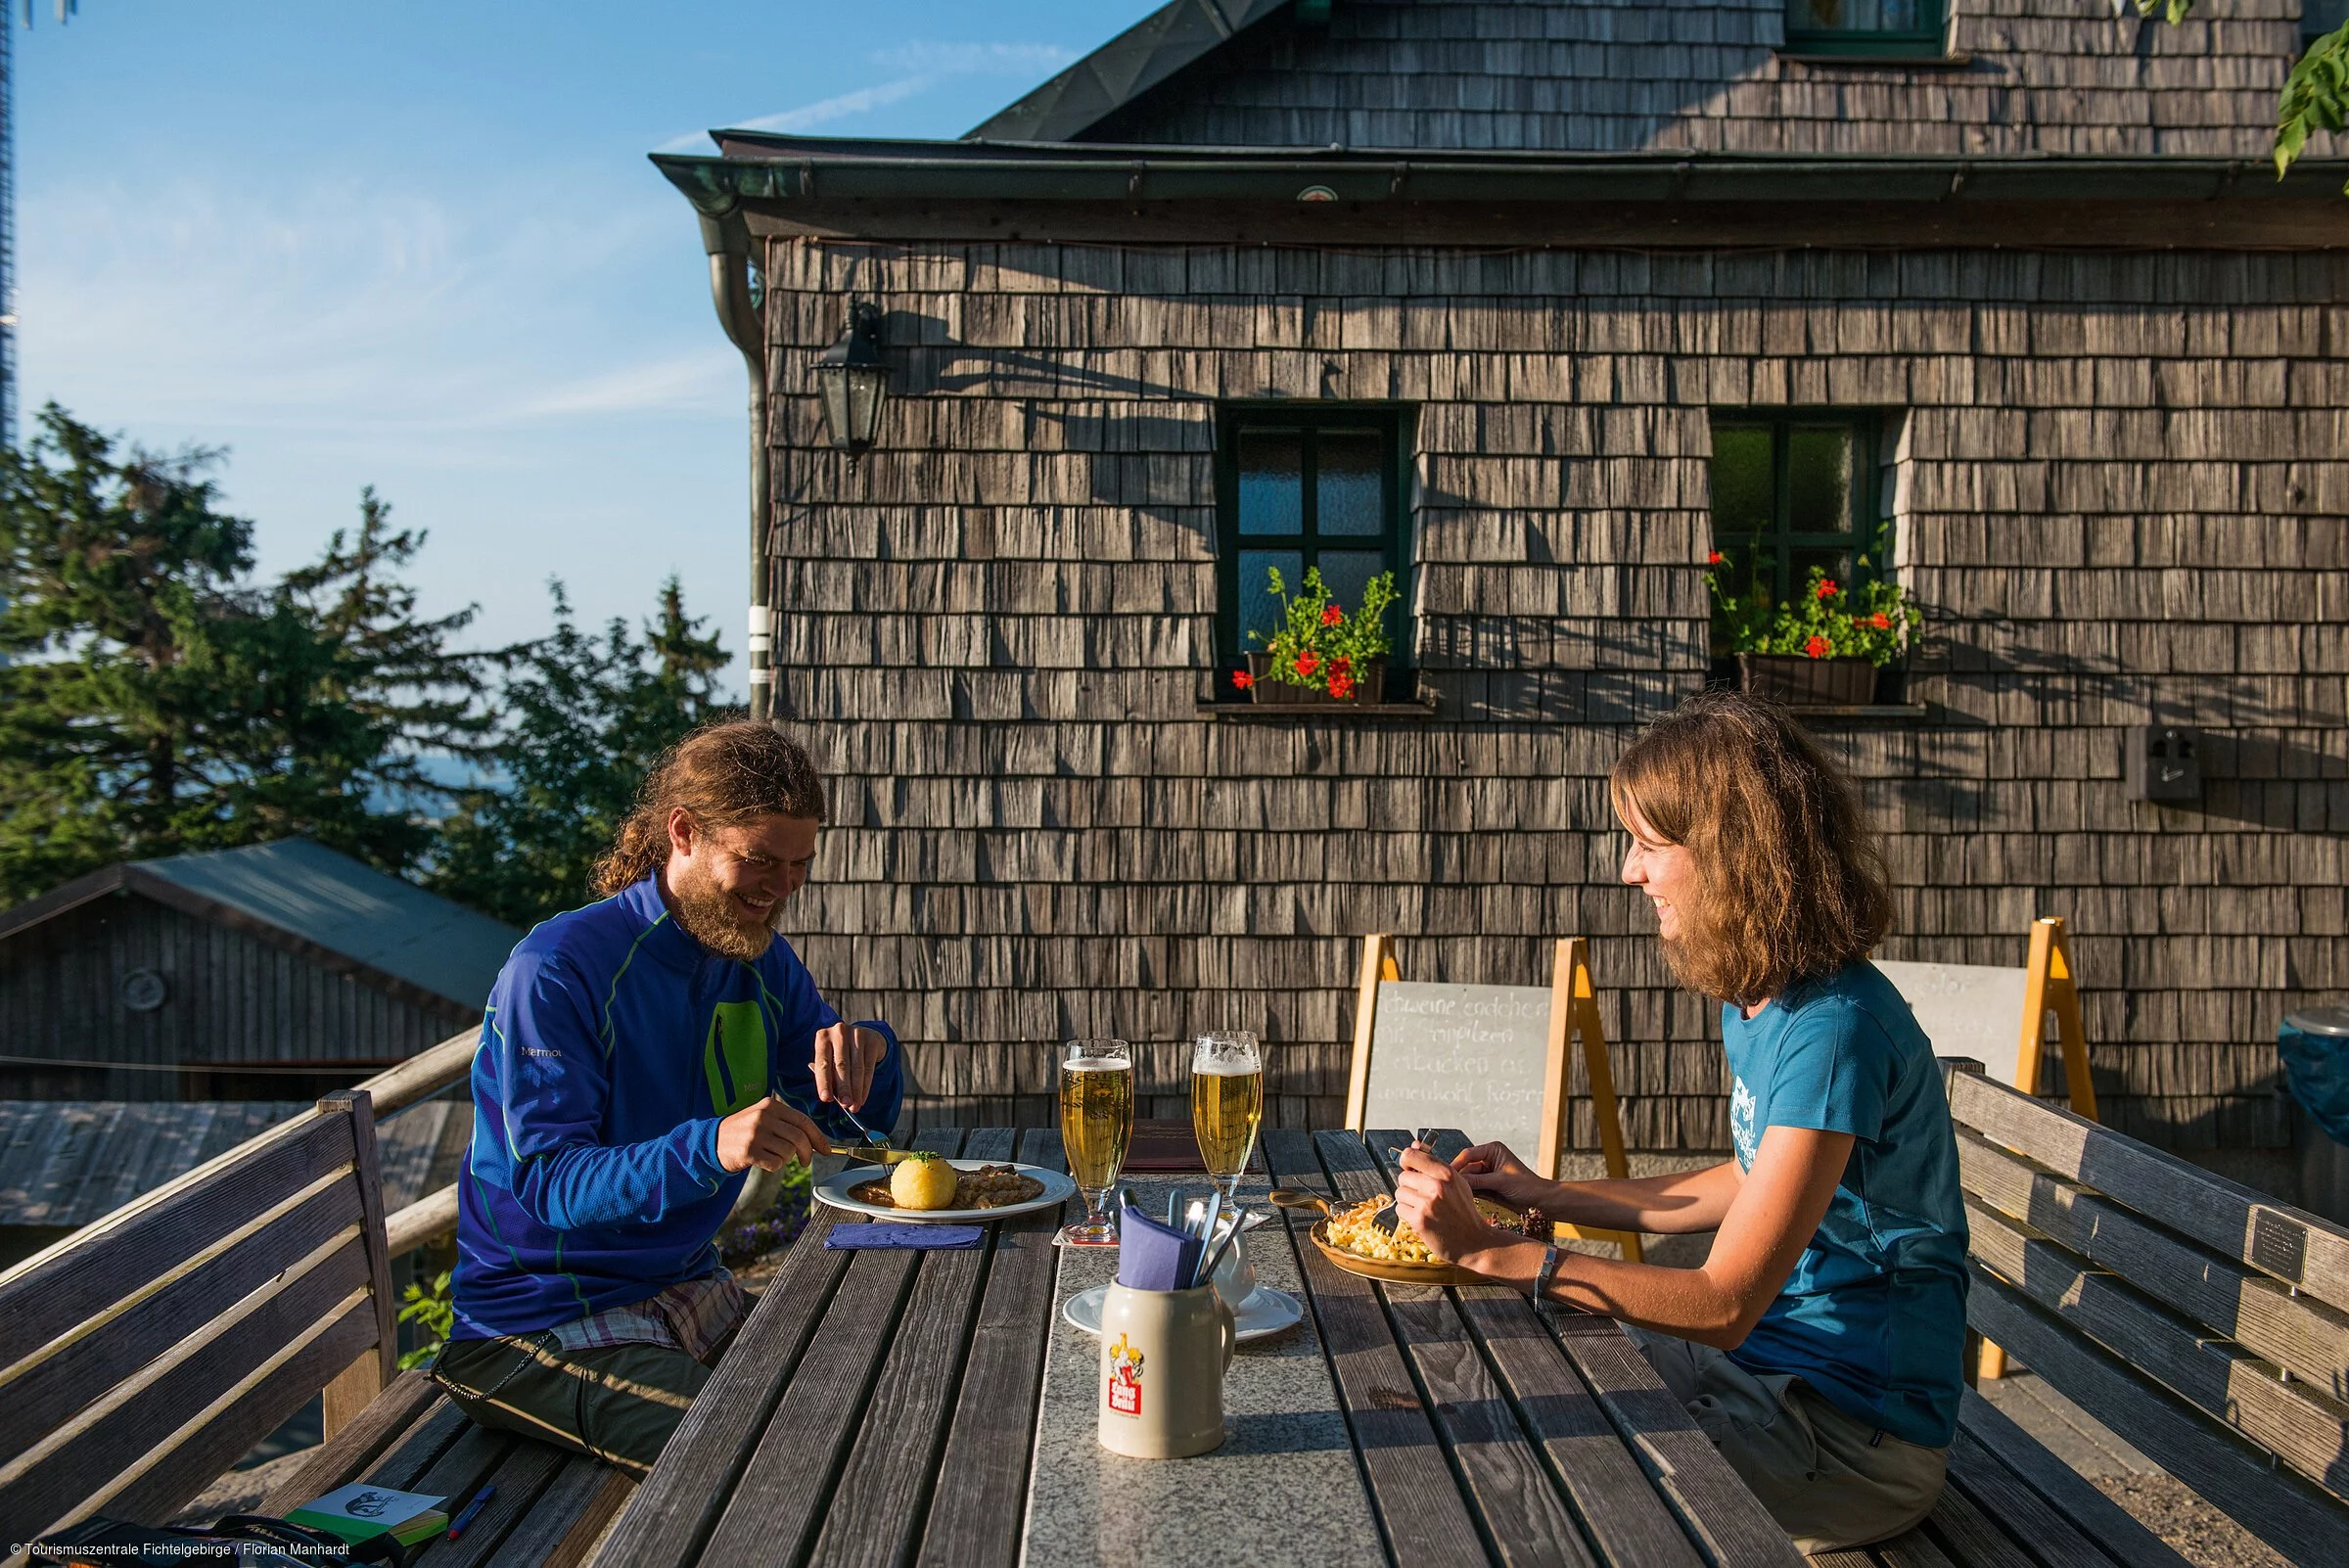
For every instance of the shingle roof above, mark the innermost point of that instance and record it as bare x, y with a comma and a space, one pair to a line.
70, 1162
2021, 77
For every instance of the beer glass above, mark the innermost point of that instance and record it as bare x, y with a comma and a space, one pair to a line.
1096, 1122
1228, 1101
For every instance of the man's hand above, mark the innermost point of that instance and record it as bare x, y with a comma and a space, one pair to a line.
1492, 1168
1436, 1201
769, 1134
846, 1057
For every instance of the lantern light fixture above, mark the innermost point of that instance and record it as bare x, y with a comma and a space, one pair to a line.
853, 383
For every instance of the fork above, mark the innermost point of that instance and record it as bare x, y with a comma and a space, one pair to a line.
1388, 1218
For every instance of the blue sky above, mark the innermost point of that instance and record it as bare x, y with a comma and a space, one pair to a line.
419, 246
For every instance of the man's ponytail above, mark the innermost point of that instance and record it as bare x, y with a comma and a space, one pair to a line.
724, 775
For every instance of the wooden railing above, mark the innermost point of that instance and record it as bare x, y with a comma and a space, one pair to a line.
419, 1078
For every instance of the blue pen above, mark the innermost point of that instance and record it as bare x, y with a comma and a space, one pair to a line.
480, 1498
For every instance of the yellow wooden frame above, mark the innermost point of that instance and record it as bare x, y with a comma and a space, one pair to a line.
1573, 1011
2050, 984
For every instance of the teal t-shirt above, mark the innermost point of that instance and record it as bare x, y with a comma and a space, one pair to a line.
1873, 1316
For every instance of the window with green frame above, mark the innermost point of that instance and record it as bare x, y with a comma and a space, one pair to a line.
1307, 484
1908, 27
1791, 492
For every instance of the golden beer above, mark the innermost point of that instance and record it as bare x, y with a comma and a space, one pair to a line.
1096, 1118
1228, 1101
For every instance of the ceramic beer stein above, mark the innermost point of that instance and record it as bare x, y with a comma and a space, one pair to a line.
1163, 1356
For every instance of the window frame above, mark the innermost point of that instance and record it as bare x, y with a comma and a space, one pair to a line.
1868, 540
1929, 40
1395, 424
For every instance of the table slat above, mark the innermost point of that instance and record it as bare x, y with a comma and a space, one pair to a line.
670, 1514
975, 1511
780, 1497
1411, 1486
875, 1514
1630, 1525
1499, 1465
1726, 1520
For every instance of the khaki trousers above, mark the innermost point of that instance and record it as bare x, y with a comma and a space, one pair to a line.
1829, 1479
619, 1403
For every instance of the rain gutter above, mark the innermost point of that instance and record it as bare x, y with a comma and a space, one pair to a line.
727, 239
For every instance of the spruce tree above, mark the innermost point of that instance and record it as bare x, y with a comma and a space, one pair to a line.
586, 715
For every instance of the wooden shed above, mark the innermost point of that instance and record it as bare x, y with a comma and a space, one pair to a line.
1999, 300
261, 973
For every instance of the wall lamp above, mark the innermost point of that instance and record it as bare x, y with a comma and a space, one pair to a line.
853, 381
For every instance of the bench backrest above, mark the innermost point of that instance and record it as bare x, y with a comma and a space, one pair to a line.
2202, 1321
146, 1353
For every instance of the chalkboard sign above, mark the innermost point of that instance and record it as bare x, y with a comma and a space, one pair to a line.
1474, 1057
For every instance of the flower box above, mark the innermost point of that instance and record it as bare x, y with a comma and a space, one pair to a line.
1369, 686
1802, 683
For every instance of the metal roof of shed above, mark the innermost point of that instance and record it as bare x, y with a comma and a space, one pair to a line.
355, 910
325, 905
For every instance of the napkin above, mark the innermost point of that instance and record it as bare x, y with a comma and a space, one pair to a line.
927, 1238
1152, 1256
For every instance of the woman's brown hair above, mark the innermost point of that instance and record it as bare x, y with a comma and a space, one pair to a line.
723, 774
1791, 883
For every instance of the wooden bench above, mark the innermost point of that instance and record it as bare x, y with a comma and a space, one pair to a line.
2203, 1321
147, 1354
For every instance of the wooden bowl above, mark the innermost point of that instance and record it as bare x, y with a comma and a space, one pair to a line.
1394, 1273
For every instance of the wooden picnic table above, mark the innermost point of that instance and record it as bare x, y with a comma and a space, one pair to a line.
933, 1409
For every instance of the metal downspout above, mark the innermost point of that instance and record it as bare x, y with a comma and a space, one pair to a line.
728, 242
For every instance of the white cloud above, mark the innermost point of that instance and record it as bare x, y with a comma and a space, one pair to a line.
697, 381
923, 66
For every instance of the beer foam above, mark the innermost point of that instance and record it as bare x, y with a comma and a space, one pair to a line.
1098, 1064
1225, 1070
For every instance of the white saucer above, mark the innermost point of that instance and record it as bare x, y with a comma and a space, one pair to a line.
1264, 1312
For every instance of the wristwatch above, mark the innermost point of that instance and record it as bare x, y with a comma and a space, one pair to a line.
1543, 1276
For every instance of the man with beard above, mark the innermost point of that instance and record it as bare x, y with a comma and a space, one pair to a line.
638, 1056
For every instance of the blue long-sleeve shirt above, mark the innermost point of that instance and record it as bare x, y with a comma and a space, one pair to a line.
613, 1045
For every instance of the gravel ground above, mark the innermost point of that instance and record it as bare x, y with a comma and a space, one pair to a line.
2195, 1530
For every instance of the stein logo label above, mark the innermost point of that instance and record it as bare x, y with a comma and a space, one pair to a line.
1124, 1378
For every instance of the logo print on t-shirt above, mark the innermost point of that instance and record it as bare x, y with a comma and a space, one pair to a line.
735, 1056
1741, 1122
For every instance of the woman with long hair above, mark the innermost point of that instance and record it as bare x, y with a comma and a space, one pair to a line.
1820, 1343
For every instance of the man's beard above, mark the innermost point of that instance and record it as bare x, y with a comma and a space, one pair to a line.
707, 913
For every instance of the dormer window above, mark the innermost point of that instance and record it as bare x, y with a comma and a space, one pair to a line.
1909, 28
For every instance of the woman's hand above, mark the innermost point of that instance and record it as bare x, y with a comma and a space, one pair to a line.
1492, 1168
1437, 1201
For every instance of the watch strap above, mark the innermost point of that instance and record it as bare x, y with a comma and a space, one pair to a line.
1543, 1275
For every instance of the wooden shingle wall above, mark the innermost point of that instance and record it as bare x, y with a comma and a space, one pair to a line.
1596, 76
2120, 493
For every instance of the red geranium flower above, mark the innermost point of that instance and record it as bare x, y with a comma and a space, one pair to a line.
1880, 621
1331, 614
1308, 661
1714, 559
1340, 666
1817, 647
1241, 680
1341, 685
1828, 588
1858, 620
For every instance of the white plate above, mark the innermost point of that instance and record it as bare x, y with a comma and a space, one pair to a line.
834, 1190
1264, 1312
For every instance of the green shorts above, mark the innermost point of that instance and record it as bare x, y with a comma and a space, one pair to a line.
619, 1403
1830, 1480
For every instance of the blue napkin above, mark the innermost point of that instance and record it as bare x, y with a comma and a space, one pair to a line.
926, 1239
1152, 1256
